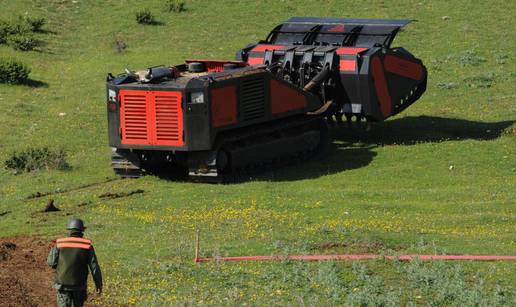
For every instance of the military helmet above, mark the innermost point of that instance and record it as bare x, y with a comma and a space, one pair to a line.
75, 224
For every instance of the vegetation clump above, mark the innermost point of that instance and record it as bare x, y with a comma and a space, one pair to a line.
24, 42
120, 44
145, 17
13, 72
471, 58
18, 33
177, 6
447, 85
5, 31
33, 159
35, 23
481, 81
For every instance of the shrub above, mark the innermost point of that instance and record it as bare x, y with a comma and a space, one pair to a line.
175, 6
18, 27
12, 71
33, 159
23, 42
5, 31
35, 23
145, 17
120, 44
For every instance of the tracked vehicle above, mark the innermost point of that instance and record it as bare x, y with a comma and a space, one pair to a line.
268, 107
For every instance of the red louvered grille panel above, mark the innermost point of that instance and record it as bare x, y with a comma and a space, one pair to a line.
169, 118
151, 118
133, 118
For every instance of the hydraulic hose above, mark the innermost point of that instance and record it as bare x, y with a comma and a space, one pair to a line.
318, 79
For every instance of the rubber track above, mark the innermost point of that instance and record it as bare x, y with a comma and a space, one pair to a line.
247, 172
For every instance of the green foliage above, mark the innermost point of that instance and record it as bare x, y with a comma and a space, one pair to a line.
450, 285
145, 17
35, 23
471, 58
17, 33
12, 71
120, 44
33, 159
175, 5
501, 59
481, 81
24, 42
5, 30
19, 26
370, 290
447, 85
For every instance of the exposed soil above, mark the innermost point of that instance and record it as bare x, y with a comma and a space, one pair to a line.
50, 207
110, 195
25, 279
84, 186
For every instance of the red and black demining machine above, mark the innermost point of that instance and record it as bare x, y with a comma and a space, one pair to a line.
212, 119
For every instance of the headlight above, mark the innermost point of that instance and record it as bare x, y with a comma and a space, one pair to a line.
197, 97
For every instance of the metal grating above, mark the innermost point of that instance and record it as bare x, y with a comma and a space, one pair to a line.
134, 118
252, 99
167, 118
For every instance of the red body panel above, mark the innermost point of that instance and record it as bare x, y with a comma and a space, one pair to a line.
151, 118
347, 65
224, 106
349, 50
284, 99
263, 48
380, 84
403, 67
254, 61
337, 28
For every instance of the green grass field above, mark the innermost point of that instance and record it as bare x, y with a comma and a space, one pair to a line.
438, 178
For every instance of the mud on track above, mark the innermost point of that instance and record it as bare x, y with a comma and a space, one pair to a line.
25, 278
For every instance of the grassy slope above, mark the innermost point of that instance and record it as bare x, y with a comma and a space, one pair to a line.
393, 188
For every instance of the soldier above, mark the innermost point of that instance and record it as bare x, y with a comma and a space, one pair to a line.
71, 257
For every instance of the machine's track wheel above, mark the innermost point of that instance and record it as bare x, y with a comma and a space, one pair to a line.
237, 147
126, 166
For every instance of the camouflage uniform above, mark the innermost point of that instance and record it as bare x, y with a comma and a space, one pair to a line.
71, 258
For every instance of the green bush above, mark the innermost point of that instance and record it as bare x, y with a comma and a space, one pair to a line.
20, 29
145, 17
33, 159
12, 71
175, 6
5, 31
23, 42
35, 23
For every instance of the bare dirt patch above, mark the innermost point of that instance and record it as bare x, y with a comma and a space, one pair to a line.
25, 279
110, 195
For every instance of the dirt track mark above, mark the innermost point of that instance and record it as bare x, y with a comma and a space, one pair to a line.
110, 195
43, 194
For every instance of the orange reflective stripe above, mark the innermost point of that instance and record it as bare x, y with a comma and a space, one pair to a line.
74, 239
73, 245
